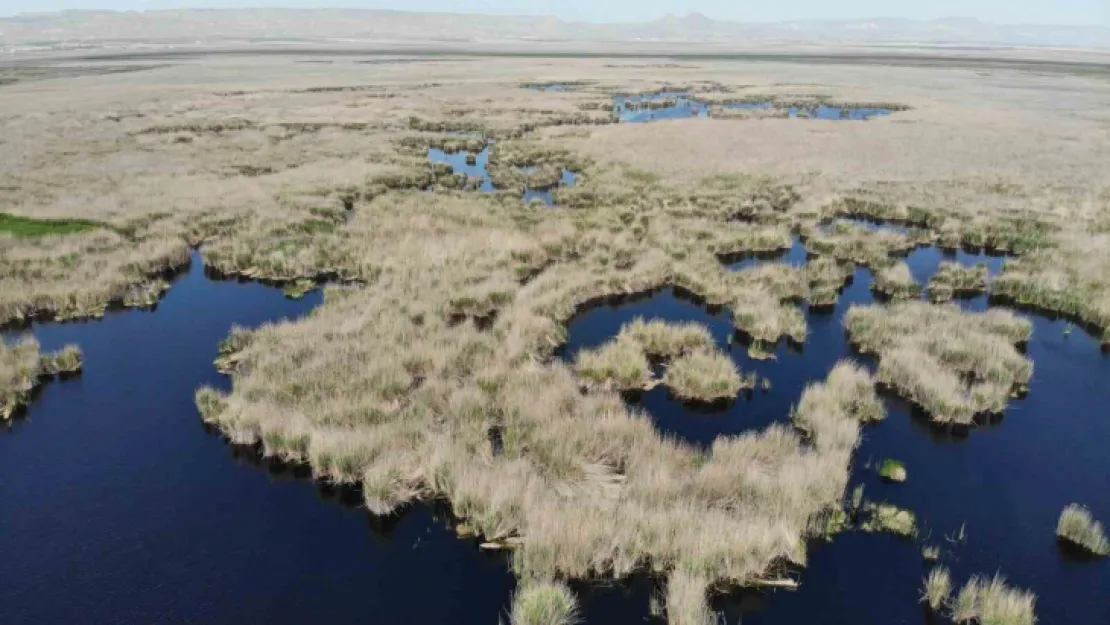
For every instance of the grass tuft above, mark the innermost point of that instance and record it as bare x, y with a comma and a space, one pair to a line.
544, 603
1078, 527
706, 376
937, 591
893, 471
992, 602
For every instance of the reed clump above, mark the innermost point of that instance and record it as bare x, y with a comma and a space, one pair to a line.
23, 368
937, 590
955, 365
896, 282
617, 365
993, 602
848, 391
856, 243
1078, 527
706, 376
543, 602
955, 280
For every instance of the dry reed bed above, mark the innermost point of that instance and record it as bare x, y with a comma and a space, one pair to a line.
385, 388
80, 276
954, 280
955, 365
23, 368
581, 486
695, 369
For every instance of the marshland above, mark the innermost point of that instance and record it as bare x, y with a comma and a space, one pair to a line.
675, 388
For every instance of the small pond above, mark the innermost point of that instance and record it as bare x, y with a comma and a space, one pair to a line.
828, 113
1005, 483
639, 109
476, 166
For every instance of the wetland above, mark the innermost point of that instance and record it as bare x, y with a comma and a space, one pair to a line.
749, 371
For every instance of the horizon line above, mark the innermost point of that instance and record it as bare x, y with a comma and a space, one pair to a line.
549, 15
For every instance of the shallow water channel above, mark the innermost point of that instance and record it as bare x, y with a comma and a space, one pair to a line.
653, 107
1006, 483
118, 506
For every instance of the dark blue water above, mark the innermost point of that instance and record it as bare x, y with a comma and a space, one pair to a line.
117, 506
1006, 483
480, 169
684, 107
830, 113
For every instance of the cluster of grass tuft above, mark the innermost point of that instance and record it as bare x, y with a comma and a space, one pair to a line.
993, 602
885, 517
860, 245
954, 280
1078, 527
955, 365
23, 367
697, 370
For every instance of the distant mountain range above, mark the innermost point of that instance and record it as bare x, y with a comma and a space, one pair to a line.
353, 26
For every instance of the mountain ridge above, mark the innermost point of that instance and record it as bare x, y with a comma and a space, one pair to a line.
215, 25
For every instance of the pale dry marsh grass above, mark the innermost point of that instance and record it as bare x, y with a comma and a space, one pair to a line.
1078, 527
896, 282
540, 602
954, 364
705, 376
301, 173
955, 280
937, 591
993, 602
23, 368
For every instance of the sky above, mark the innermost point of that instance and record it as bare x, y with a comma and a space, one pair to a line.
1079, 12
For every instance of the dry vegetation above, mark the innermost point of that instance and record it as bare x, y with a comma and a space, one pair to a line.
1078, 527
993, 602
303, 172
954, 365
23, 368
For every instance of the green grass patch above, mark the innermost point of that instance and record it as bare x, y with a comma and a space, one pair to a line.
18, 226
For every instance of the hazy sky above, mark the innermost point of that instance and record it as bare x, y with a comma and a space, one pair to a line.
1089, 12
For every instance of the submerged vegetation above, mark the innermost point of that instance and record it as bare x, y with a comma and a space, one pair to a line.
23, 368
1079, 528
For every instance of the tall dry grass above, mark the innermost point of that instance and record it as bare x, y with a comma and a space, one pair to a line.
955, 365
23, 368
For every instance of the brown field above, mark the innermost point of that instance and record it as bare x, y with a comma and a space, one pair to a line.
282, 169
